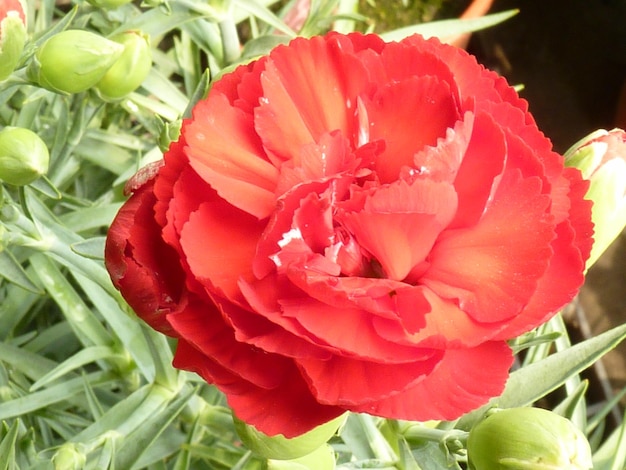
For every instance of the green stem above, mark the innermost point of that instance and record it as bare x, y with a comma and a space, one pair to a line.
420, 432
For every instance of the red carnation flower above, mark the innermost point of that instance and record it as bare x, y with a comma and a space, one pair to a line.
349, 224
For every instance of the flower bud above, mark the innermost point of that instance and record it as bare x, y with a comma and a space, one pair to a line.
73, 61
69, 457
279, 447
527, 439
12, 35
601, 157
130, 69
24, 156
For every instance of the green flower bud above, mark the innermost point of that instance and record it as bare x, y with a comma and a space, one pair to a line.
527, 439
24, 156
73, 61
601, 157
12, 35
130, 69
279, 447
69, 457
108, 3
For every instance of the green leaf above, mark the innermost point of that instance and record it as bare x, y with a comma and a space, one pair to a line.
86, 325
92, 248
612, 454
55, 394
12, 271
445, 28
152, 425
82, 357
7, 446
264, 14
549, 373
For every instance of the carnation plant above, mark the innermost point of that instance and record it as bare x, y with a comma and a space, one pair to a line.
248, 234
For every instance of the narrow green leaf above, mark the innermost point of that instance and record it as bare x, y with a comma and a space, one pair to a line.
264, 14
51, 395
612, 453
126, 327
13, 272
445, 28
152, 425
121, 417
28, 363
90, 218
45, 187
7, 447
86, 326
82, 357
92, 248
549, 373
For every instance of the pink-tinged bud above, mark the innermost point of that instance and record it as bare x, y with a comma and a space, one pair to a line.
12, 35
130, 69
601, 157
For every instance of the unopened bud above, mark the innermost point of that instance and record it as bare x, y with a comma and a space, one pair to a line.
24, 156
601, 157
12, 35
529, 439
130, 69
69, 457
73, 61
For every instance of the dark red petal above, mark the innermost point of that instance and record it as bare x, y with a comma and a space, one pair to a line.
201, 325
400, 223
141, 265
462, 381
224, 149
493, 267
408, 116
288, 409
351, 382
266, 327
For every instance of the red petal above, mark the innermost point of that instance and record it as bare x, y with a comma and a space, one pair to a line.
400, 222
219, 242
304, 96
225, 151
493, 267
482, 162
141, 265
350, 382
201, 325
408, 116
349, 330
288, 409
462, 381
444, 326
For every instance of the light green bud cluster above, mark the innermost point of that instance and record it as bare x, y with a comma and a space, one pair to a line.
527, 439
74, 61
